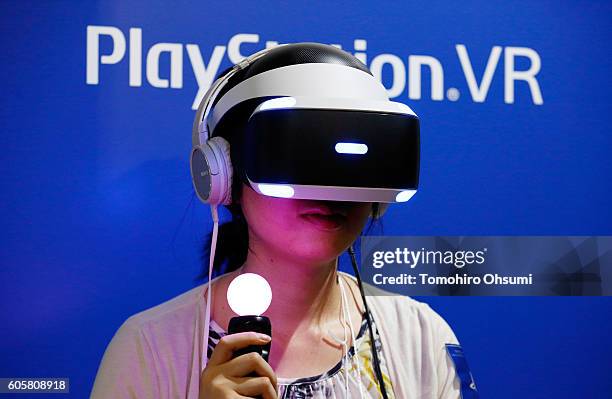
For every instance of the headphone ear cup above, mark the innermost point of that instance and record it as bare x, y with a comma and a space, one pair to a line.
212, 172
221, 149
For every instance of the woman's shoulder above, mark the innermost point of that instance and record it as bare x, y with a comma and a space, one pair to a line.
404, 314
406, 310
181, 307
169, 324
134, 362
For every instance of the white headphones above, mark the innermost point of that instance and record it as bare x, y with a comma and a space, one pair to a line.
210, 163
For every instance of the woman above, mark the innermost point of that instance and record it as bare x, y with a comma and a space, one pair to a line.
322, 333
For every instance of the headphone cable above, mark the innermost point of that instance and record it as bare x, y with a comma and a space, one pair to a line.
369, 321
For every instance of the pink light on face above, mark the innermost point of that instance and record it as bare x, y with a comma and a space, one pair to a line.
281, 227
249, 294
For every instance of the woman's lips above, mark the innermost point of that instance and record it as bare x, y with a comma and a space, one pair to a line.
325, 222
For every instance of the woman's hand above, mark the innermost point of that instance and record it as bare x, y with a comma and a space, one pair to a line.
225, 378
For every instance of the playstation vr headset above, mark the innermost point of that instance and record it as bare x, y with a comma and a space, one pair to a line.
306, 121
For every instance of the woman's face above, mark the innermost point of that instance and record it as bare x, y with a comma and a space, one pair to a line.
308, 230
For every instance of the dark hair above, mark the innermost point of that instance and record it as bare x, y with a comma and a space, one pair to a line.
233, 242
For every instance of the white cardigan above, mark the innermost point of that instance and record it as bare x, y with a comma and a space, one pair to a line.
157, 353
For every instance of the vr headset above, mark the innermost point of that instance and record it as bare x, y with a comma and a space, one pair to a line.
306, 121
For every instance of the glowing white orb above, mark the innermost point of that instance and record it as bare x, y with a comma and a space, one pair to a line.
249, 294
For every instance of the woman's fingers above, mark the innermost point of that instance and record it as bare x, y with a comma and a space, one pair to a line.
226, 346
245, 376
250, 363
257, 386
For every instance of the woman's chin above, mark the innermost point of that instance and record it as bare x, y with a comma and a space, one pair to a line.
317, 249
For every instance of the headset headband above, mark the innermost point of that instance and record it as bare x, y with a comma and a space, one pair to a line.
200, 131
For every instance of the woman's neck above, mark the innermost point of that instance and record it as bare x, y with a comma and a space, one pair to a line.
303, 294
306, 307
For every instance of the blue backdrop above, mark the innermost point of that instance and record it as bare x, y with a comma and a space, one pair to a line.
98, 215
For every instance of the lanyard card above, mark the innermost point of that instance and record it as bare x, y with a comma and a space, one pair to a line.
468, 386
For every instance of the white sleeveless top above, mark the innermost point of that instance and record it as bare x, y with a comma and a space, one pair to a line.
157, 353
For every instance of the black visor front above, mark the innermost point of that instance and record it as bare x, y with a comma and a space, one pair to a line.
309, 147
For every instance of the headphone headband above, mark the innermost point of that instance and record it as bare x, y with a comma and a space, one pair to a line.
200, 131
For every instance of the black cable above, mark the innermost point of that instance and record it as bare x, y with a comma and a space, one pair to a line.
351, 252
